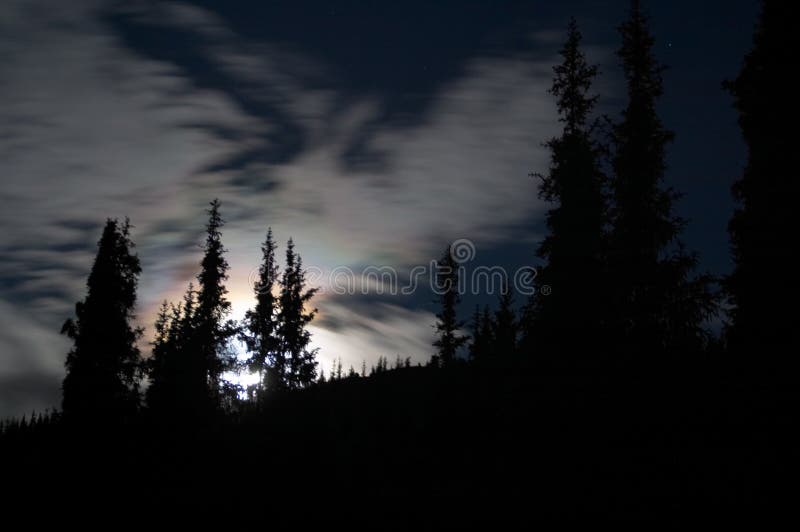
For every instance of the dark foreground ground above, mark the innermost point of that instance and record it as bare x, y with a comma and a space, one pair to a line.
418, 446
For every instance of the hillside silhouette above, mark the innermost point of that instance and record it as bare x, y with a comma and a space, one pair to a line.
501, 442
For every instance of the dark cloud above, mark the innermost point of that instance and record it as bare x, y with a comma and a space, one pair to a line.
193, 51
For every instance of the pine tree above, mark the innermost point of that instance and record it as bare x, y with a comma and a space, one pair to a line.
574, 248
383, 364
197, 350
487, 330
103, 365
476, 346
656, 304
211, 330
261, 323
483, 342
158, 366
178, 384
293, 320
761, 228
505, 325
447, 324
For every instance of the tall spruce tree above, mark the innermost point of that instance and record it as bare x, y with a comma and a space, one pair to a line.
487, 331
261, 323
481, 345
656, 304
293, 320
475, 339
574, 248
211, 329
447, 325
101, 384
505, 324
760, 229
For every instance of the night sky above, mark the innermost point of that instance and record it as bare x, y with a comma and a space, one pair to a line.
373, 133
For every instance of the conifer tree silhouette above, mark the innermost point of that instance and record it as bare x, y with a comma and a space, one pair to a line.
103, 366
761, 234
656, 304
175, 370
477, 346
161, 364
447, 324
211, 331
574, 248
190, 350
483, 340
505, 325
293, 320
487, 330
261, 323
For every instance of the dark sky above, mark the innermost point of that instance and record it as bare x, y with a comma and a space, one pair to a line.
371, 132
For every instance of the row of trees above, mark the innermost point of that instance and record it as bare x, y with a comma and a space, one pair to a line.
615, 264
615, 272
338, 373
492, 333
616, 279
619, 280
192, 346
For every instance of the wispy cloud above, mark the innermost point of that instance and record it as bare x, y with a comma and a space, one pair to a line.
93, 127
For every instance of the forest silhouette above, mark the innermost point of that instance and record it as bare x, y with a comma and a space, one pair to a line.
607, 395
